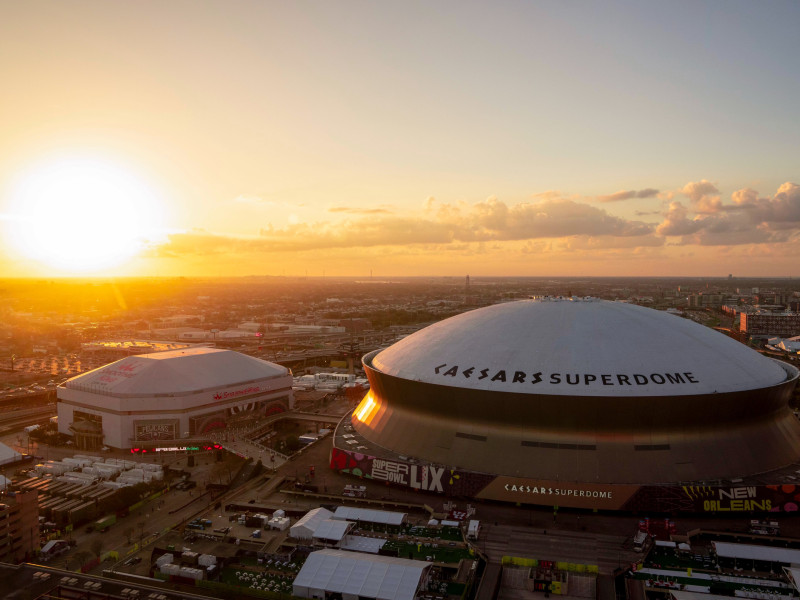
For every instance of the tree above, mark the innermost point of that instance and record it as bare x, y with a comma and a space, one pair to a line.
81, 557
219, 472
292, 443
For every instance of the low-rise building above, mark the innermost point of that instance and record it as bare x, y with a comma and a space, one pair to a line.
702, 300
19, 526
167, 396
771, 324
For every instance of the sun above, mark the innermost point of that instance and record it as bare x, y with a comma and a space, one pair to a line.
80, 215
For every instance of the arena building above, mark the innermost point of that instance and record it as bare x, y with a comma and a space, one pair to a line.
169, 396
582, 403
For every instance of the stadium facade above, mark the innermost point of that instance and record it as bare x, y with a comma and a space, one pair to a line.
581, 403
167, 396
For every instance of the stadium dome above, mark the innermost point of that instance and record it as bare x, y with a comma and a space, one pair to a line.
173, 395
175, 373
580, 390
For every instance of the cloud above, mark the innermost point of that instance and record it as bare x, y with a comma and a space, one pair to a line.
744, 197
486, 222
548, 195
628, 194
729, 232
609, 243
782, 209
552, 218
198, 242
704, 196
676, 221
490, 220
551, 221
749, 220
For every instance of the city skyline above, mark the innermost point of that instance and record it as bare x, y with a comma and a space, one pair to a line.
512, 139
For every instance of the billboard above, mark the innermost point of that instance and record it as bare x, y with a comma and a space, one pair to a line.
152, 429
668, 498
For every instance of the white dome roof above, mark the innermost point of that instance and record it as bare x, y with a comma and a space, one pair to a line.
177, 372
578, 347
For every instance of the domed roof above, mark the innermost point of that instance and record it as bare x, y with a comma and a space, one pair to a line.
177, 372
579, 347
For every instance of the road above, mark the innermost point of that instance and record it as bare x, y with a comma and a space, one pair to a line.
581, 547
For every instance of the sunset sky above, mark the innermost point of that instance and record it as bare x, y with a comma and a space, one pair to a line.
399, 138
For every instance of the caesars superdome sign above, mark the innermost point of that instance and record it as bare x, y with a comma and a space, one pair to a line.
529, 377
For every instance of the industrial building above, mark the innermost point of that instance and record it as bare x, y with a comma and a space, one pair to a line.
577, 402
169, 396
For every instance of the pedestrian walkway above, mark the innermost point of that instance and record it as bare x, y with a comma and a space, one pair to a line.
237, 441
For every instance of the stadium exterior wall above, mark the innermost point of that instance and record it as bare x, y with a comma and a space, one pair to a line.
624, 439
668, 498
131, 421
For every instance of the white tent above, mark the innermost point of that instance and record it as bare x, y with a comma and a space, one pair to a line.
305, 527
753, 552
356, 575
8, 456
358, 543
384, 517
330, 530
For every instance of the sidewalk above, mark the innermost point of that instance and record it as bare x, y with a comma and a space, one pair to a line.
236, 441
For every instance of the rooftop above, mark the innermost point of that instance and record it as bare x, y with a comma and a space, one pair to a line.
578, 347
176, 372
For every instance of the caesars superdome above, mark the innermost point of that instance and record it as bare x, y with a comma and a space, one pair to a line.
571, 390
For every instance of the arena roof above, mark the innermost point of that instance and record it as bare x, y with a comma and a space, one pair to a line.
578, 347
175, 373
